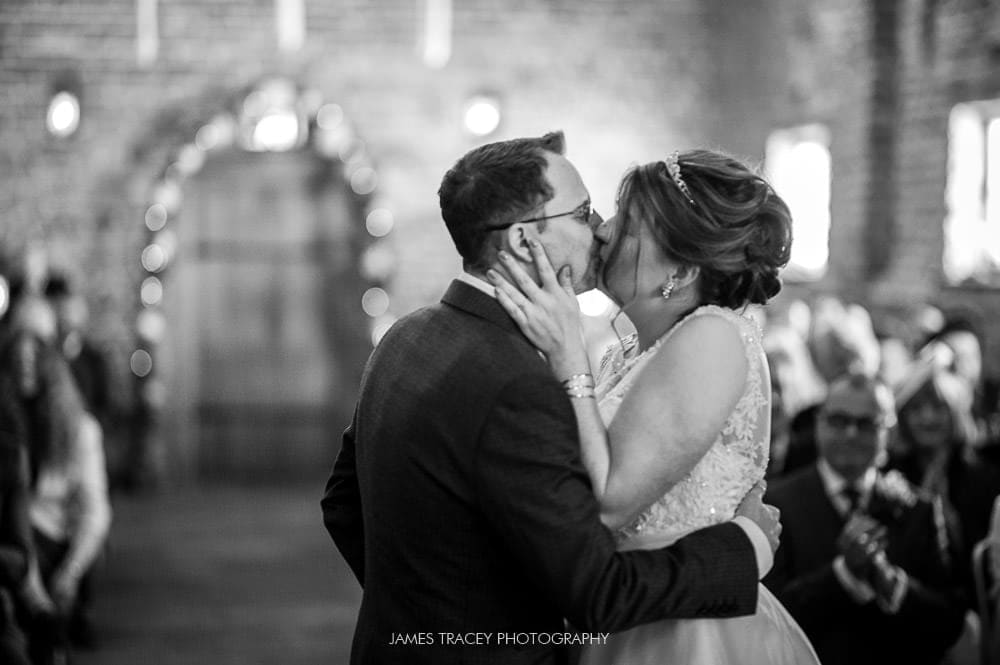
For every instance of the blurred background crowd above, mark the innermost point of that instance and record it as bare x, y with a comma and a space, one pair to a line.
885, 462
55, 512
210, 211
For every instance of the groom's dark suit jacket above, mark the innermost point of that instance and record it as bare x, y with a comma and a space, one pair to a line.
460, 502
843, 631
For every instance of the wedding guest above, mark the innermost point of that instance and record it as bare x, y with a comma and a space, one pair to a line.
15, 530
961, 338
802, 439
780, 434
863, 564
69, 508
992, 648
896, 359
935, 451
86, 359
842, 339
796, 388
792, 367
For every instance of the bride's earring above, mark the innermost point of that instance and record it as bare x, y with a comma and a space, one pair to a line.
667, 289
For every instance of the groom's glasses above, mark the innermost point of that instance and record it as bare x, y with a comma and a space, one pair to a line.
583, 213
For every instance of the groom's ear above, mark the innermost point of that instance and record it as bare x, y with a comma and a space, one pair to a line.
516, 242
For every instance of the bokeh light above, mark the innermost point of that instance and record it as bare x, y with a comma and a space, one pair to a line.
190, 159
329, 116
167, 239
277, 131
4, 296
151, 291
379, 222
353, 150
141, 363
482, 115
156, 217
375, 302
63, 117
154, 258
595, 303
364, 180
218, 133
378, 262
151, 325
331, 142
380, 328
169, 195
207, 137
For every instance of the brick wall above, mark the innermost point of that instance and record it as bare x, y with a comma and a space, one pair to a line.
627, 81
625, 85
948, 54
883, 75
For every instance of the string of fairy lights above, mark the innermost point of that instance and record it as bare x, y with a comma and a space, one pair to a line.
276, 116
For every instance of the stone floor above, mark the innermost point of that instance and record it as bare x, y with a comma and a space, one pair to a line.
224, 576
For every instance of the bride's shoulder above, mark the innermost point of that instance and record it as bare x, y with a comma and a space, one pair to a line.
719, 312
708, 337
721, 323
720, 320
703, 362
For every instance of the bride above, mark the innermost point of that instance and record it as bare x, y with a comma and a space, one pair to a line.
678, 432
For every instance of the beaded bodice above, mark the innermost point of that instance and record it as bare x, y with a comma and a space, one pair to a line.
737, 458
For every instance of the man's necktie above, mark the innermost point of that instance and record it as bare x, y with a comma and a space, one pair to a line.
852, 496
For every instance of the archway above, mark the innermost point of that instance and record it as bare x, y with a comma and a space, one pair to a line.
261, 293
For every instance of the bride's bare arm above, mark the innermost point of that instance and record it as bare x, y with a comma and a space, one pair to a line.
666, 422
672, 414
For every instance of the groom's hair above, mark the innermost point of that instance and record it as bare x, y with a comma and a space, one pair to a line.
493, 185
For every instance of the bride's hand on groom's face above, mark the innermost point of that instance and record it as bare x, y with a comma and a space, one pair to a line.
548, 314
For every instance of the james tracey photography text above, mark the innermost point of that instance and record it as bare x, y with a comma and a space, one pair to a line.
497, 639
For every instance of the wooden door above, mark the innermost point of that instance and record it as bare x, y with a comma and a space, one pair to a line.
269, 333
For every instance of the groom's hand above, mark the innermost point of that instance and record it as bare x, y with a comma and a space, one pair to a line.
765, 516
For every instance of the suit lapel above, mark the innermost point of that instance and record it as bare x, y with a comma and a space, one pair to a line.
822, 503
824, 521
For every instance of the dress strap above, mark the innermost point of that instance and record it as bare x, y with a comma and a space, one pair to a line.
616, 354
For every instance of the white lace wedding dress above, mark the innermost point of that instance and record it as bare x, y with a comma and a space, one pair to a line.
708, 495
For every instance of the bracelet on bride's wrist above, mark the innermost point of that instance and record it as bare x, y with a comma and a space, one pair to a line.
579, 381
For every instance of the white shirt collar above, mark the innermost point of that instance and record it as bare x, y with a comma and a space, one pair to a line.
477, 283
834, 483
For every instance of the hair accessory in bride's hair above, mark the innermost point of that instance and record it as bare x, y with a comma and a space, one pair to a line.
674, 169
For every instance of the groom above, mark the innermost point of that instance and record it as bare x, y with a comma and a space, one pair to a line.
459, 499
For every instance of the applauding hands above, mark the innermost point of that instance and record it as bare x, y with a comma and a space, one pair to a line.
863, 543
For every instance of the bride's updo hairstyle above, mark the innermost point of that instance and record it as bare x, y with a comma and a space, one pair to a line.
706, 209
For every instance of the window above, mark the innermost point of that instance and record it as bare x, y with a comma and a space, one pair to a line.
972, 195
798, 166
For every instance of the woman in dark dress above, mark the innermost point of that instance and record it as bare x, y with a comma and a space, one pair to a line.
937, 450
